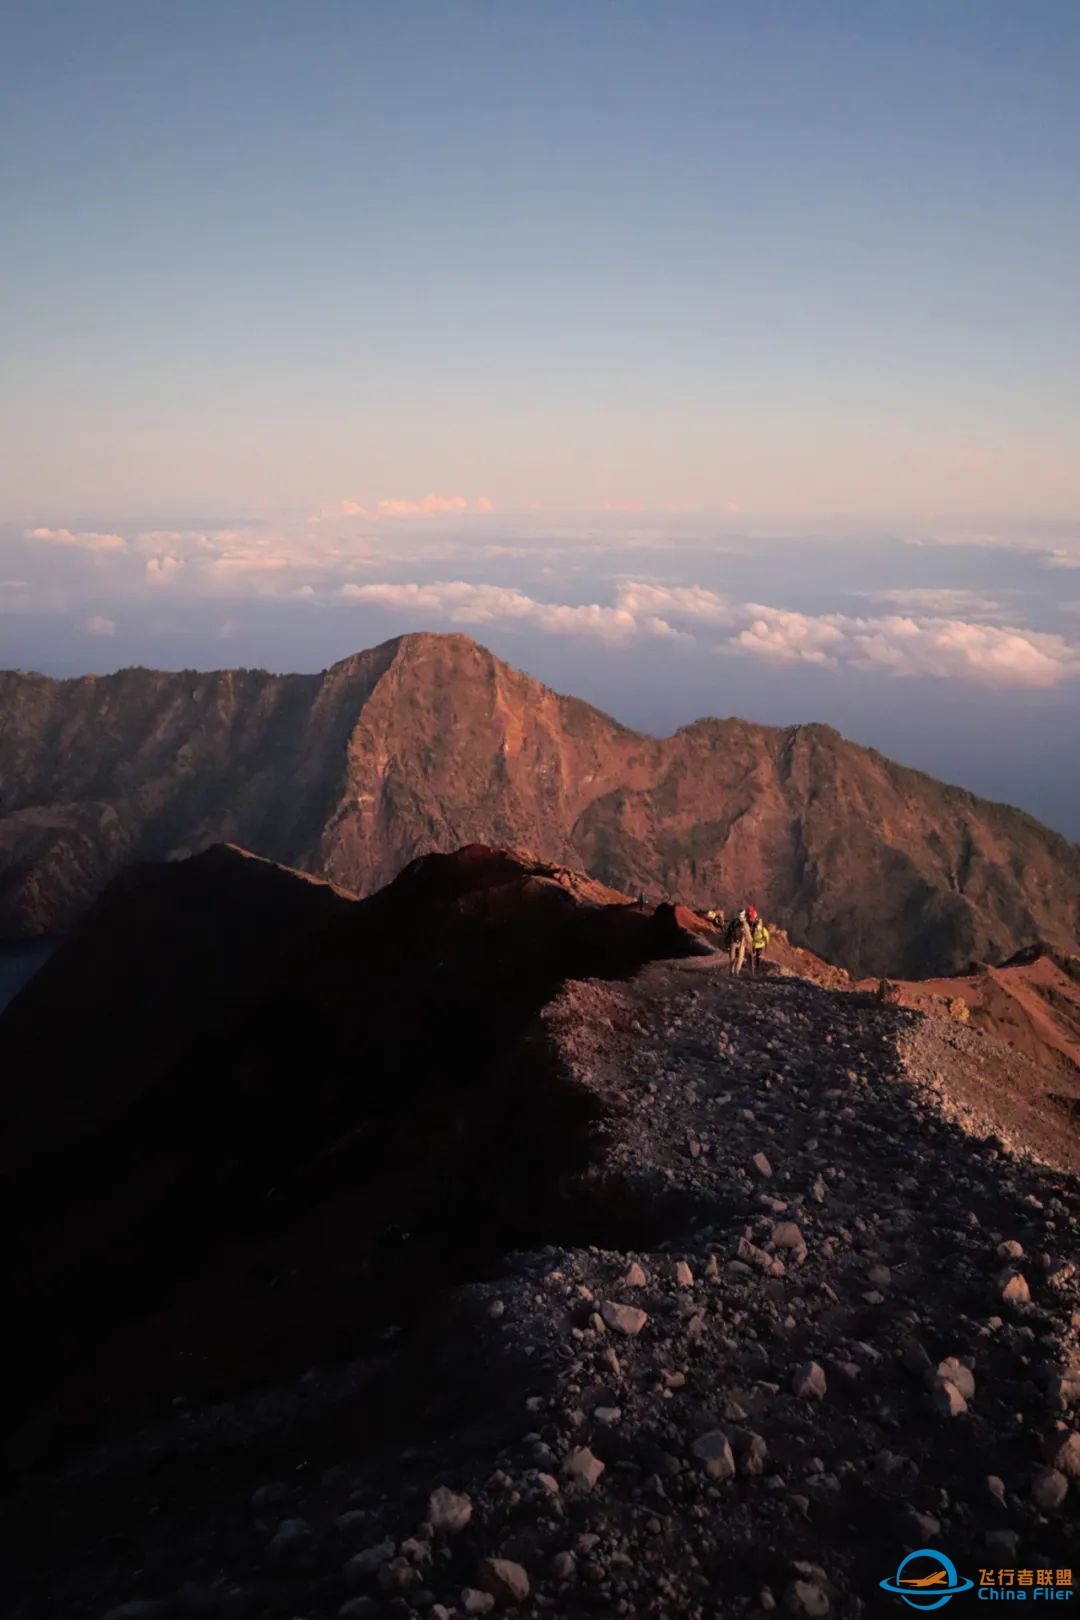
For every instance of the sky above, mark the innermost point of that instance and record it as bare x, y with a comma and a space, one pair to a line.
696, 357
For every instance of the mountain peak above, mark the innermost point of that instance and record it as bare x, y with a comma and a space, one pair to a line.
428, 742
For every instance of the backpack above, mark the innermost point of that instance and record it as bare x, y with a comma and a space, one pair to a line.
734, 932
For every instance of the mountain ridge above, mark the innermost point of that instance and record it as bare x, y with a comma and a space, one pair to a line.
428, 741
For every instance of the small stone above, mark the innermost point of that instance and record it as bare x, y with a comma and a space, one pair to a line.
365, 1564
564, 1566
1067, 1457
506, 1581
925, 1526
626, 1319
476, 1602
1063, 1388
398, 1575
947, 1400
996, 1486
762, 1166
1010, 1250
714, 1450
417, 1549
750, 1255
1005, 1542
1049, 1489
635, 1276
358, 1608
684, 1277
608, 1414
138, 1609
955, 1372
290, 1536
806, 1598
1014, 1288
751, 1451
448, 1511
786, 1235
809, 1382
582, 1468
496, 1309
270, 1495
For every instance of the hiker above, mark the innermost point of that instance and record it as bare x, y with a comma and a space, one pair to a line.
737, 940
759, 939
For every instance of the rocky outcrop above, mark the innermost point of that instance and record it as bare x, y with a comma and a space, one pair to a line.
429, 742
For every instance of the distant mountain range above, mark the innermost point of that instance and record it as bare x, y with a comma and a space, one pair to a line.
429, 742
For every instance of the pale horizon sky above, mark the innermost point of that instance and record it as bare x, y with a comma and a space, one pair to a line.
700, 357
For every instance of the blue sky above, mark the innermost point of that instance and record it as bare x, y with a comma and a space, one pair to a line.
669, 348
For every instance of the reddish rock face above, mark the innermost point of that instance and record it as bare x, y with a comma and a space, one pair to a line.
428, 742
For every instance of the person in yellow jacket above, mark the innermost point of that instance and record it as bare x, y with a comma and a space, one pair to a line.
759, 939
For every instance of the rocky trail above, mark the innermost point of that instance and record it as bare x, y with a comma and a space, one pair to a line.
813, 1304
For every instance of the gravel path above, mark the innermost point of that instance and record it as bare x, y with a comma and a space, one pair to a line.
808, 1311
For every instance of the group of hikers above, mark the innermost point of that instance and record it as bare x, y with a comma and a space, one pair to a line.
746, 934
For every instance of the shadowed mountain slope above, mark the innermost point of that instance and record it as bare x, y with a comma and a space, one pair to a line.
237, 1099
429, 742
711, 1296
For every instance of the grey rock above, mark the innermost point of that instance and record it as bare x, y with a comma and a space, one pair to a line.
1049, 1489
449, 1511
1013, 1287
947, 1400
714, 1450
809, 1382
806, 1598
363, 1565
291, 1535
626, 1319
582, 1468
506, 1581
1067, 1456
955, 1372
474, 1601
138, 1609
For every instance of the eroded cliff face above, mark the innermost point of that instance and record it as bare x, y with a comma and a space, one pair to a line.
429, 742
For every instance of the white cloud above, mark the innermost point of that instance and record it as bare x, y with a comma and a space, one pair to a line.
895, 644
97, 626
945, 601
1052, 553
394, 506
82, 540
162, 570
459, 602
993, 655
691, 603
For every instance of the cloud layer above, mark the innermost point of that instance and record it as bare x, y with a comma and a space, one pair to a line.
942, 632
894, 644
